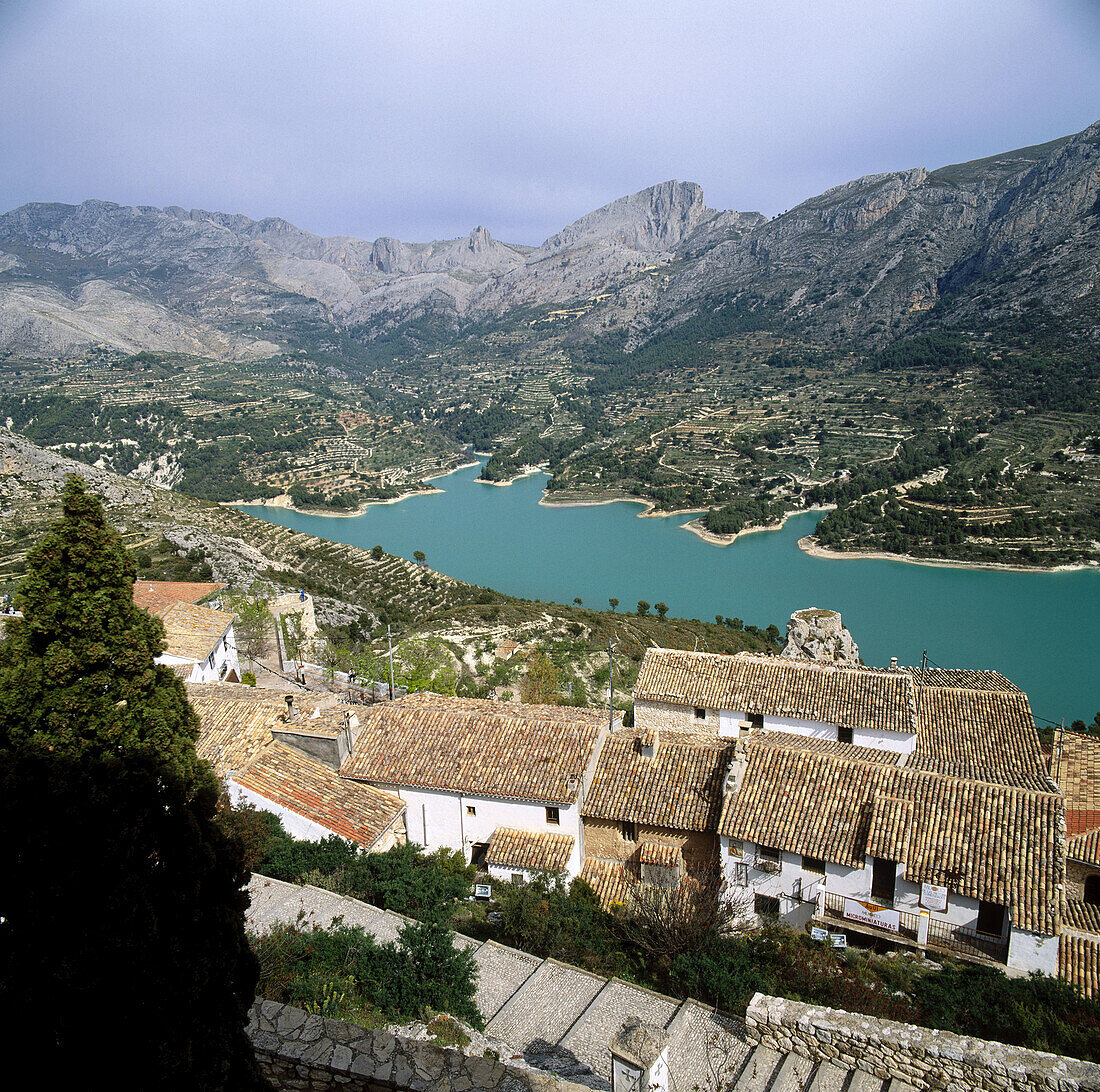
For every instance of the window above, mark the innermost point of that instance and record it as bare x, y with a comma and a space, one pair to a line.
700, 713
844, 734
768, 853
767, 906
813, 864
884, 876
735, 848
756, 722
517, 877
991, 919
1092, 890
552, 817
629, 830
471, 810
768, 859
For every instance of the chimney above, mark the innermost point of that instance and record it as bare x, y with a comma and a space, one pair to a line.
736, 772
291, 712
648, 742
893, 663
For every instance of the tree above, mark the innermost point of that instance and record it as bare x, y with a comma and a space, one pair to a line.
102, 793
578, 600
377, 553
419, 557
252, 625
613, 603
77, 672
661, 608
294, 634
541, 681
643, 608
425, 663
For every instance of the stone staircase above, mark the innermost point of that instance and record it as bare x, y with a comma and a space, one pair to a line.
561, 1019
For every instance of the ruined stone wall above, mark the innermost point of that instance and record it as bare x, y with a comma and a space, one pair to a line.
1076, 874
927, 1059
308, 1053
603, 839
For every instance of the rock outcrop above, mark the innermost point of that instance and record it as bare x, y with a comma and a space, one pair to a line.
817, 634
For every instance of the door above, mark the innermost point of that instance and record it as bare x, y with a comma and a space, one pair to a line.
883, 877
991, 919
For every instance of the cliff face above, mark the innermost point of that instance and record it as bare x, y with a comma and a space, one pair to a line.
868, 258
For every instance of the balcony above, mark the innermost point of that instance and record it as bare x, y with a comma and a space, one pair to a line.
942, 935
766, 864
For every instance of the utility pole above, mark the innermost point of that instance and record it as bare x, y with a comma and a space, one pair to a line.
923, 668
389, 642
1056, 758
610, 688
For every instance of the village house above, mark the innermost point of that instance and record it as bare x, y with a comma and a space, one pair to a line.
909, 806
238, 737
201, 644
466, 768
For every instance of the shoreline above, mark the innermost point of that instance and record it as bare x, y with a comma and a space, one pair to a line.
284, 501
526, 472
808, 546
696, 528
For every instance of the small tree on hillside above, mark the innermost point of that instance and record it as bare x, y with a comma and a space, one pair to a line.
661, 609
253, 625
541, 682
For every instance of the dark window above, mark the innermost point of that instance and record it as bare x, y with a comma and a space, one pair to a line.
844, 734
883, 877
517, 877
757, 721
768, 853
813, 864
471, 810
1092, 890
477, 854
629, 830
766, 905
700, 713
991, 919
552, 817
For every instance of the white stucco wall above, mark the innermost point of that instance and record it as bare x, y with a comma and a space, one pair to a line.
297, 826
899, 742
1032, 952
222, 660
961, 910
449, 825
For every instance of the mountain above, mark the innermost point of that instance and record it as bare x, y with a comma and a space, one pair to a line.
871, 259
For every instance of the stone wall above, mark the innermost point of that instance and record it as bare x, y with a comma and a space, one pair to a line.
303, 1052
1076, 874
663, 716
927, 1059
603, 839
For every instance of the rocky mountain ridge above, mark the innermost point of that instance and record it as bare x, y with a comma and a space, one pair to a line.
868, 259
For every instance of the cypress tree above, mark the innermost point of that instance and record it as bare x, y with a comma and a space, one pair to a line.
123, 954
77, 672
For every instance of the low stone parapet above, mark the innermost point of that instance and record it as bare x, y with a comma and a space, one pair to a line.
925, 1058
301, 1051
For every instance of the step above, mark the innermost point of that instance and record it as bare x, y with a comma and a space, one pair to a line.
792, 1074
759, 1069
828, 1078
865, 1082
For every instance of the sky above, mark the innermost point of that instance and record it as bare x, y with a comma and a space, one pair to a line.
423, 120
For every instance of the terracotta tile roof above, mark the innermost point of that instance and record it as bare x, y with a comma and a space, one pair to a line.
1079, 962
653, 853
526, 849
1082, 916
291, 779
233, 731
1077, 770
679, 788
792, 742
1084, 847
1080, 822
526, 752
991, 842
156, 596
193, 631
856, 697
611, 880
962, 679
983, 735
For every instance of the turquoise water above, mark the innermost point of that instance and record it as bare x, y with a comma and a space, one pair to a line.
1039, 629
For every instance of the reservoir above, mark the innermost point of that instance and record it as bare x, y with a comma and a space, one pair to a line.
1039, 629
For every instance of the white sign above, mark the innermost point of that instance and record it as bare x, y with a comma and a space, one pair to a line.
867, 913
482, 891
933, 897
838, 940
817, 933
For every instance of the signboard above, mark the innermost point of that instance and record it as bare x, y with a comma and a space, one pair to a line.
838, 940
818, 933
933, 897
867, 913
482, 891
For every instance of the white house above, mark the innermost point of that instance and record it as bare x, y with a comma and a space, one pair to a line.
201, 643
466, 768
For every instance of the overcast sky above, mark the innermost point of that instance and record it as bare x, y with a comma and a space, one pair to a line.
422, 120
